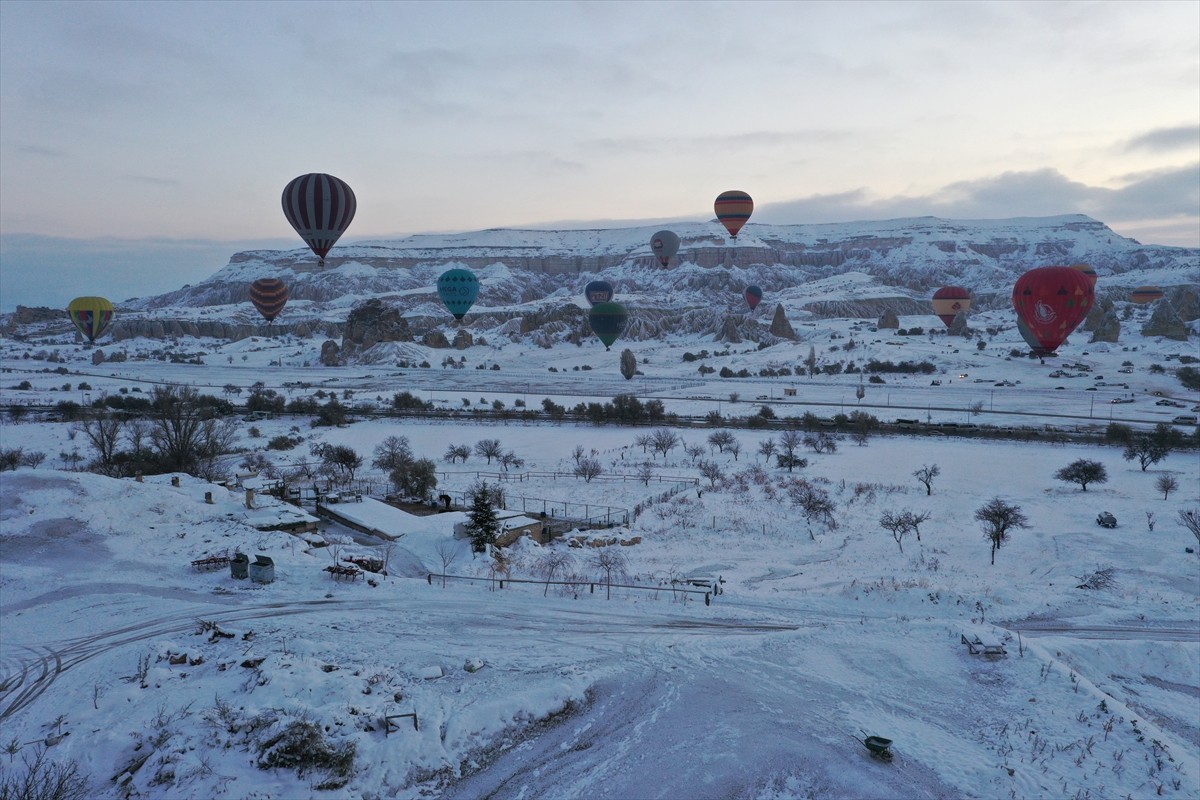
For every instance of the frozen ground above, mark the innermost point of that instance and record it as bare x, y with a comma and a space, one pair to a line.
112, 646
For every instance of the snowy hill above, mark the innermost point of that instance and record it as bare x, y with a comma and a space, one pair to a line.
904, 257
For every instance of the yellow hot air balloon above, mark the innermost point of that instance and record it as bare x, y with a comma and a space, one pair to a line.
91, 315
1146, 294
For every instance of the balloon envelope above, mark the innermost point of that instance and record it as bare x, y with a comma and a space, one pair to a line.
598, 292
733, 209
320, 208
1088, 270
608, 322
91, 315
458, 289
948, 301
269, 296
664, 244
753, 296
1146, 294
1052, 301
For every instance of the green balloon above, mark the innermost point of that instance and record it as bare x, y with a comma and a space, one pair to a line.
608, 322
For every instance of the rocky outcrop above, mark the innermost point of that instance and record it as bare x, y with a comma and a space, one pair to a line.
1108, 329
436, 340
463, 339
780, 326
888, 320
729, 332
958, 327
371, 322
331, 355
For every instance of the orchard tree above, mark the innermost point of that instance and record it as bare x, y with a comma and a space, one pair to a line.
1166, 484
588, 468
1083, 472
456, 452
610, 561
998, 518
766, 449
1152, 447
489, 449
1190, 519
926, 474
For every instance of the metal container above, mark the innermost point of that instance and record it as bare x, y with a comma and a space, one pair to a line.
238, 564
262, 570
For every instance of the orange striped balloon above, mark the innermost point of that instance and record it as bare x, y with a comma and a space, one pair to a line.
733, 210
269, 296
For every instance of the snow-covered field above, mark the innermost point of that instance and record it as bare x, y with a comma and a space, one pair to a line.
162, 681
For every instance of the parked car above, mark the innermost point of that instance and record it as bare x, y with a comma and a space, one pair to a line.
1106, 520
1185, 419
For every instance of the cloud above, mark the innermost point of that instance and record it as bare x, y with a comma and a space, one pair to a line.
1154, 197
1166, 139
39, 151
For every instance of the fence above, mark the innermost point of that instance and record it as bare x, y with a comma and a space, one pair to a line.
678, 587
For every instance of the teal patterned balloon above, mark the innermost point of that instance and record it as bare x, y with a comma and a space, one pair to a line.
458, 289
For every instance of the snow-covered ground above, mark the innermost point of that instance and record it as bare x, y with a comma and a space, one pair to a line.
163, 681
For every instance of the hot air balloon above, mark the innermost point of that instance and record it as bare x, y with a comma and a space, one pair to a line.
1146, 294
664, 244
948, 301
598, 292
1088, 270
608, 322
269, 296
753, 296
733, 209
91, 315
320, 208
1052, 301
1027, 335
458, 289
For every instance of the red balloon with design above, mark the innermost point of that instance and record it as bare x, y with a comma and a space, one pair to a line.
1052, 301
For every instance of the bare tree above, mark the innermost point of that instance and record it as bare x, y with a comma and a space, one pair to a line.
1190, 519
645, 472
766, 449
1151, 448
998, 518
1166, 484
1150, 520
447, 552
551, 563
664, 440
510, 459
32, 458
456, 452
734, 447
926, 474
820, 442
693, 451
579, 453
712, 471
789, 442
588, 468
900, 523
1083, 472
895, 524
720, 440
610, 561
103, 431
489, 449
642, 440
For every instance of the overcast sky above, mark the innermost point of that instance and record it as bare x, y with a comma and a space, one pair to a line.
181, 122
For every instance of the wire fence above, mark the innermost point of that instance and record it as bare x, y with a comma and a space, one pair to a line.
678, 588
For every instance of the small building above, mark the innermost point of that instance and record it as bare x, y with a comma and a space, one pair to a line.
787, 392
